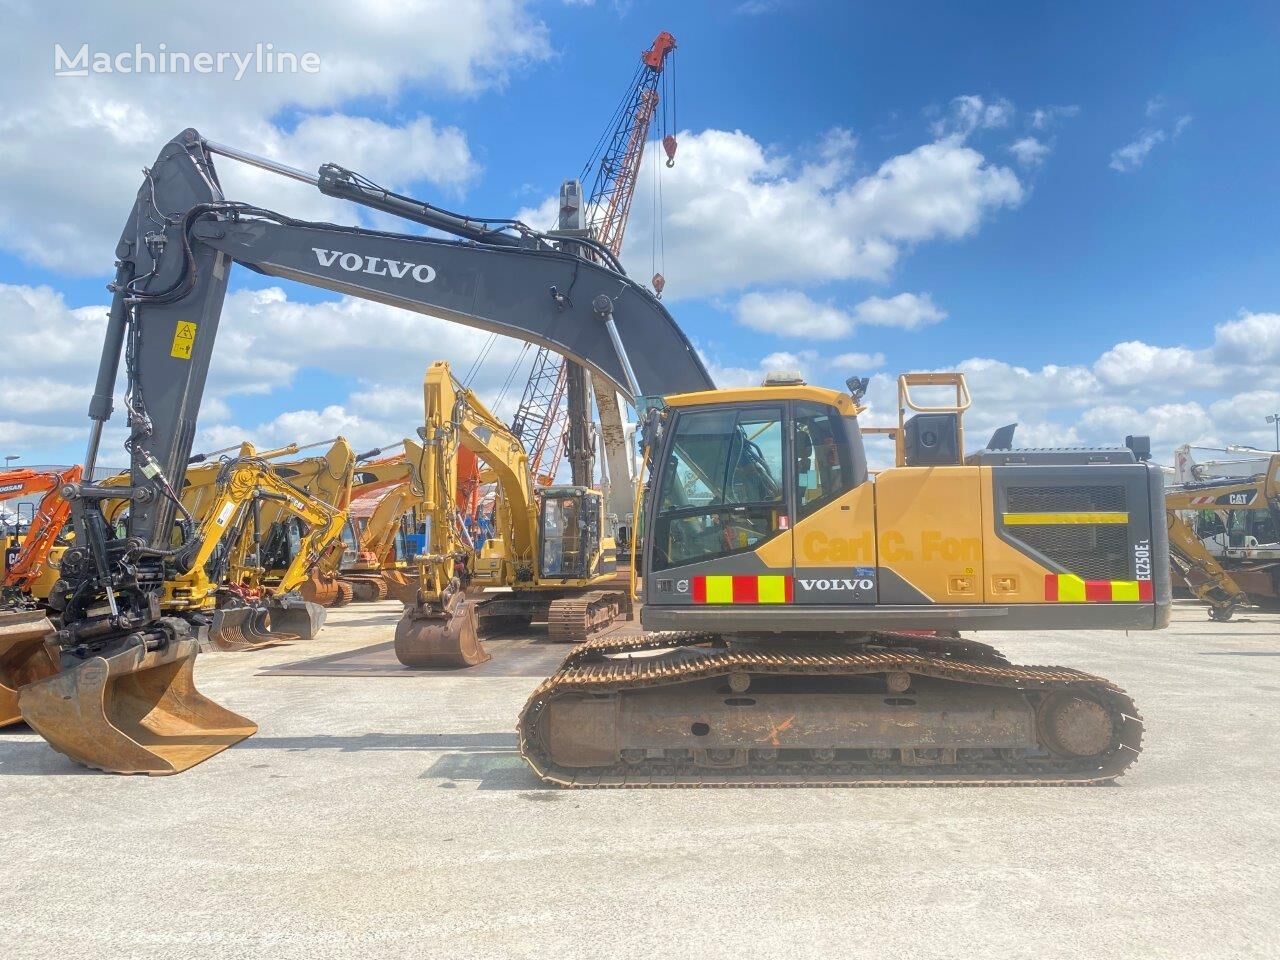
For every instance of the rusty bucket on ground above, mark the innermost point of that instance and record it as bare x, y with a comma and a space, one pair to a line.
136, 711
26, 655
296, 616
434, 638
268, 625
401, 586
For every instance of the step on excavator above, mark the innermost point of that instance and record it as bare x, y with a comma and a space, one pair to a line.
1242, 513
552, 559
784, 588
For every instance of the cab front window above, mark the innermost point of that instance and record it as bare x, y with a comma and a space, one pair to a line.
722, 486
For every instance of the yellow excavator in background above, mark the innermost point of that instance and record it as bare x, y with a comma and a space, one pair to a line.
327, 478
378, 568
223, 502
1242, 513
383, 483
551, 559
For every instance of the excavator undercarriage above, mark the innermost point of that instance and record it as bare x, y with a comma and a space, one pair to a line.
689, 709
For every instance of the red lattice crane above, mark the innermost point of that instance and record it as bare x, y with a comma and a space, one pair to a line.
541, 418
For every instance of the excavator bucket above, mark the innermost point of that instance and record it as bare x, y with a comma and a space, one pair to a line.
326, 590
299, 617
427, 638
247, 628
136, 711
401, 587
25, 657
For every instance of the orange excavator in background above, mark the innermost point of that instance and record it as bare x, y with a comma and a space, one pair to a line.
23, 564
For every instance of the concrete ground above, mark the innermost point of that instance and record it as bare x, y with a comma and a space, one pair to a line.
387, 814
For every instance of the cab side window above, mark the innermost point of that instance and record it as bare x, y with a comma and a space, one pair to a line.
824, 463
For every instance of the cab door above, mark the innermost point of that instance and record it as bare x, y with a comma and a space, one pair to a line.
721, 530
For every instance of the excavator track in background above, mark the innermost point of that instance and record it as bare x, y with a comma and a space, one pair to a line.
685, 710
575, 619
26, 655
366, 588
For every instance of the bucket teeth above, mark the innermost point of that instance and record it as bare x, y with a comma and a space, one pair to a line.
135, 711
26, 655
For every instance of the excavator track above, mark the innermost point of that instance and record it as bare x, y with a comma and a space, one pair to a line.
367, 588
688, 710
575, 619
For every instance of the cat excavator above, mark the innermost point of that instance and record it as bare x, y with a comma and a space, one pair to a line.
1248, 571
797, 608
367, 544
552, 559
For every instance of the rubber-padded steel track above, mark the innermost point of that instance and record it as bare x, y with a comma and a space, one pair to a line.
574, 619
610, 664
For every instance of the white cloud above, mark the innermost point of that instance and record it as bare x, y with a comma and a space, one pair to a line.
791, 313
738, 214
969, 113
1029, 151
76, 145
857, 362
1133, 155
1042, 118
907, 311
1252, 338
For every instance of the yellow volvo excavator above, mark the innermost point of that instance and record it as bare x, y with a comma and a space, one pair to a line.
1243, 514
785, 589
552, 555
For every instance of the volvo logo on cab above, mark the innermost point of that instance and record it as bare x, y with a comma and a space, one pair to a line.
377, 266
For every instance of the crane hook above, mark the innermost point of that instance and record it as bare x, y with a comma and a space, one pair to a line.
669, 145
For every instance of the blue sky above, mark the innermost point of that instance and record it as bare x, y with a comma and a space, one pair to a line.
1075, 203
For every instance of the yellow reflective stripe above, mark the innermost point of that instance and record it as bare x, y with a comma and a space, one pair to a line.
1028, 519
1124, 591
719, 589
771, 589
1070, 588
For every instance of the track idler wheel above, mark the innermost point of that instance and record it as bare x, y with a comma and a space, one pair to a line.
434, 639
1073, 725
367, 589
135, 711
26, 655
345, 593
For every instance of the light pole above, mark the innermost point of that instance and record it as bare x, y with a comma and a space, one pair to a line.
1275, 418
10, 458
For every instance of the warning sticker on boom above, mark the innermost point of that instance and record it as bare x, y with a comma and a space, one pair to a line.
184, 339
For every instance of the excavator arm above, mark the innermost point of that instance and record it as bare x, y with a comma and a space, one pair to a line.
51, 516
174, 262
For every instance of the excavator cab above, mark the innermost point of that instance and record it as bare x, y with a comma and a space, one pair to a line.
570, 522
